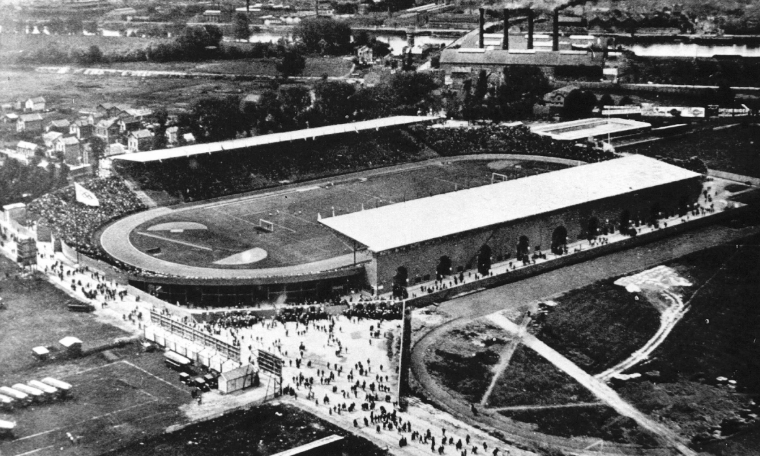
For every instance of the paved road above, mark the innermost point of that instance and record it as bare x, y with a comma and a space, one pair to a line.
568, 278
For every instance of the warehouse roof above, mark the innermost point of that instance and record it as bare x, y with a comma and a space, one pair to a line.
310, 133
425, 219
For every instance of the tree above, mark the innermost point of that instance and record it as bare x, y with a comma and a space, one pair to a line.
240, 26
625, 101
74, 25
324, 35
579, 104
724, 94
606, 100
215, 119
97, 151
296, 100
411, 91
291, 63
268, 113
333, 104
90, 27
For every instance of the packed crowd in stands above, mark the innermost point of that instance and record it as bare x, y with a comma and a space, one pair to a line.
203, 177
74, 222
492, 139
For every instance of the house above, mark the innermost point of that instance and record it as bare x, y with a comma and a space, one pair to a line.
34, 104
188, 138
127, 124
140, 113
139, 140
556, 98
26, 149
111, 109
364, 53
172, 135
61, 125
30, 123
108, 130
82, 129
95, 117
212, 16
71, 149
10, 117
18, 104
115, 149
50, 137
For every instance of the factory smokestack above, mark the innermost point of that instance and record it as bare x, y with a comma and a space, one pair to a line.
505, 41
530, 28
481, 26
555, 31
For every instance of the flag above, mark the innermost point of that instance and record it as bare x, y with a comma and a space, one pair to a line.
85, 196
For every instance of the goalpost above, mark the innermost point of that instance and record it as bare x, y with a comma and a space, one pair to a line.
496, 177
266, 225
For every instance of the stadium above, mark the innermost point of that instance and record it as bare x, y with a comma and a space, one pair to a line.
328, 237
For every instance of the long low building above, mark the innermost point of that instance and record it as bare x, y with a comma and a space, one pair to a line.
598, 128
263, 140
511, 218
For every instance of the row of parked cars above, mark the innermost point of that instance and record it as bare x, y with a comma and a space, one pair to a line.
23, 394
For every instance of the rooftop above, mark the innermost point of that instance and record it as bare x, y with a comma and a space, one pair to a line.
425, 219
585, 128
309, 133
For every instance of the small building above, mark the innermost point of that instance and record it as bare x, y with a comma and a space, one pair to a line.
10, 117
127, 124
238, 379
555, 99
18, 104
31, 123
71, 149
213, 16
108, 130
189, 138
139, 140
141, 114
61, 125
26, 148
94, 117
82, 129
72, 345
172, 135
364, 53
112, 109
50, 137
116, 149
34, 104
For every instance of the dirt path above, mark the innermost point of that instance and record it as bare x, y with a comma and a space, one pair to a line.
546, 407
597, 387
505, 358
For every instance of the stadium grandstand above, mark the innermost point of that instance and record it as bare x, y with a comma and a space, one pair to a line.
275, 138
543, 210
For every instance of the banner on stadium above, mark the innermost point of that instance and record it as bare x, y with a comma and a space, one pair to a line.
85, 196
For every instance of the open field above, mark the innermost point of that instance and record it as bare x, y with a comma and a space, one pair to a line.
264, 430
36, 314
15, 45
717, 337
599, 325
233, 226
732, 149
531, 380
599, 422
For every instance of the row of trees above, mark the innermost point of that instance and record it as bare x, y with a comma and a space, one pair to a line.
513, 97
291, 107
19, 182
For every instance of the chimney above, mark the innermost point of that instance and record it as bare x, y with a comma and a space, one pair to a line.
555, 31
505, 41
481, 25
530, 28
316, 7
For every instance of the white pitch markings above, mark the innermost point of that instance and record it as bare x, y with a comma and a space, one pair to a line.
175, 241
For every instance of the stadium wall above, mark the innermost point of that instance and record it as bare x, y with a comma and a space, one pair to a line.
422, 260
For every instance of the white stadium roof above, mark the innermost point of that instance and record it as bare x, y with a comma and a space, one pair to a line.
310, 133
425, 219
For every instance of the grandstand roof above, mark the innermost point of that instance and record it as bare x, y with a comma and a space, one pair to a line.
310, 133
425, 219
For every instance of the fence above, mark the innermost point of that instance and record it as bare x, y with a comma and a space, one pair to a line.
192, 334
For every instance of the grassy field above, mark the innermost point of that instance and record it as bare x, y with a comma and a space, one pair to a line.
36, 314
717, 337
599, 325
462, 362
531, 380
597, 422
264, 430
13, 45
298, 237
732, 149
315, 66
